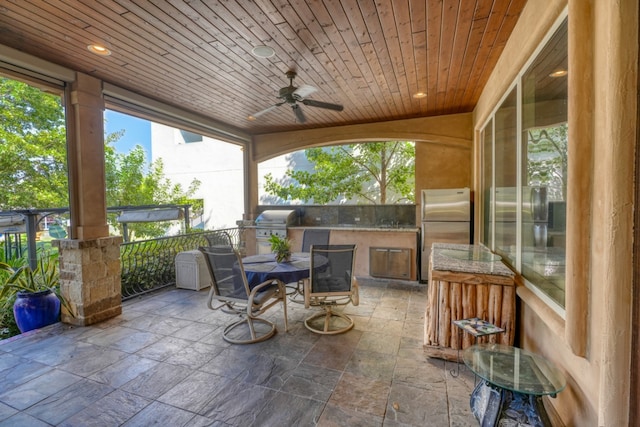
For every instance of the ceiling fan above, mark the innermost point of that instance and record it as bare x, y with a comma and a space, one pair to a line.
292, 95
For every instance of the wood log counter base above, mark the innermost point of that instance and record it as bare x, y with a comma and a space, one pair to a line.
467, 281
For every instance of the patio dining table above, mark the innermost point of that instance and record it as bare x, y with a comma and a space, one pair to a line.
260, 268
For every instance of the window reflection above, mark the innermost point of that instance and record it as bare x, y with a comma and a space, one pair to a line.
544, 171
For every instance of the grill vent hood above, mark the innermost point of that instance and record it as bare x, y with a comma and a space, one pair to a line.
276, 218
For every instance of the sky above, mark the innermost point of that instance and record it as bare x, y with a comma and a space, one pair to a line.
137, 132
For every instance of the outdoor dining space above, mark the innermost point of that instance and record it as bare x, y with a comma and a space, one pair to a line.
164, 361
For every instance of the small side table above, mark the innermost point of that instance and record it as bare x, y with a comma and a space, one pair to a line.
476, 327
514, 381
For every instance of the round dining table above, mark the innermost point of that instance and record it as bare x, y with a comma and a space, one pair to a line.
260, 268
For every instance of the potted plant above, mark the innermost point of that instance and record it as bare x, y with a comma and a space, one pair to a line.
37, 299
281, 247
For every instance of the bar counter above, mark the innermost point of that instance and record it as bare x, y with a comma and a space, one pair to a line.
466, 281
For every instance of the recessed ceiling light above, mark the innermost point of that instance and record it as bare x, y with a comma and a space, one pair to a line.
419, 95
263, 51
558, 73
99, 50
251, 118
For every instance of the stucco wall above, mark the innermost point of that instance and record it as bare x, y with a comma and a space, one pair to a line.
216, 164
591, 341
443, 146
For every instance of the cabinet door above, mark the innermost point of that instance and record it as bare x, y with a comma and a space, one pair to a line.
378, 262
399, 263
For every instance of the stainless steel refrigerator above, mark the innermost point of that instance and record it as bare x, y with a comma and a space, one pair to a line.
446, 218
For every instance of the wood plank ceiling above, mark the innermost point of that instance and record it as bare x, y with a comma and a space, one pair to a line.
369, 55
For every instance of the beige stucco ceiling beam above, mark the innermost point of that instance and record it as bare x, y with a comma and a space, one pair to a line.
453, 129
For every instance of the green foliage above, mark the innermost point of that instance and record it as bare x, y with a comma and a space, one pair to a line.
547, 160
281, 247
375, 172
23, 279
8, 326
130, 183
33, 171
33, 168
16, 276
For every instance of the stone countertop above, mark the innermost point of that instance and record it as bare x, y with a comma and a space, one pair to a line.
348, 227
474, 259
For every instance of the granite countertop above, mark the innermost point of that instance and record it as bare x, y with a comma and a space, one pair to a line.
468, 259
349, 227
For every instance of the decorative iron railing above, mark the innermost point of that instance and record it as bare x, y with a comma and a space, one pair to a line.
148, 265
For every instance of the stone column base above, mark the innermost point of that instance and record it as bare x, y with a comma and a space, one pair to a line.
90, 279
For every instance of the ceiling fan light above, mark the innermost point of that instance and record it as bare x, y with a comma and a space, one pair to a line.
263, 51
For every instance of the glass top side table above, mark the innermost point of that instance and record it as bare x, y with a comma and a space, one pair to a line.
477, 328
514, 382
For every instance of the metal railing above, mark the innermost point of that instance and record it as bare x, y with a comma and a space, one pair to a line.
148, 265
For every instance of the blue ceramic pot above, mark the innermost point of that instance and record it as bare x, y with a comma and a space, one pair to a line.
33, 310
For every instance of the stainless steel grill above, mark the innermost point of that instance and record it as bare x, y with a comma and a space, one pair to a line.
272, 222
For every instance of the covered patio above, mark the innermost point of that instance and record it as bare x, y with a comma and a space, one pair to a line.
163, 361
451, 76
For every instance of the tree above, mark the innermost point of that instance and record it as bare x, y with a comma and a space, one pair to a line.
375, 172
547, 160
129, 184
33, 172
33, 167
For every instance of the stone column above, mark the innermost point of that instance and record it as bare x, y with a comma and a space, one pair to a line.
90, 279
90, 260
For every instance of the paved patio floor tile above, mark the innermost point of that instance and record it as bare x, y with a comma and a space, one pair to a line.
164, 362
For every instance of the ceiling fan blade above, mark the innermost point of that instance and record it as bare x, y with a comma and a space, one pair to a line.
299, 114
320, 104
266, 110
304, 91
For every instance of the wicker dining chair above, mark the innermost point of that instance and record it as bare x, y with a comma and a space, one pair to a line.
231, 290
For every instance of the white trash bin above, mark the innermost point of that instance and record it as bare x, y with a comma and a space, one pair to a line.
191, 271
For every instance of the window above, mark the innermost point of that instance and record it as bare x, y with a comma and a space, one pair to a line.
487, 185
190, 137
544, 167
524, 174
506, 176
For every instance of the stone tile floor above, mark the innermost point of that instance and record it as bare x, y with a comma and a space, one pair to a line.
163, 362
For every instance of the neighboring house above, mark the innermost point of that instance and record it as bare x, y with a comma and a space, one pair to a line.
217, 165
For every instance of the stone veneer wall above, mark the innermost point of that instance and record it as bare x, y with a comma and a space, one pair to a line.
90, 279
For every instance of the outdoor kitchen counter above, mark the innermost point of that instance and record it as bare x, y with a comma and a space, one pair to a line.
366, 238
400, 229
467, 281
473, 259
